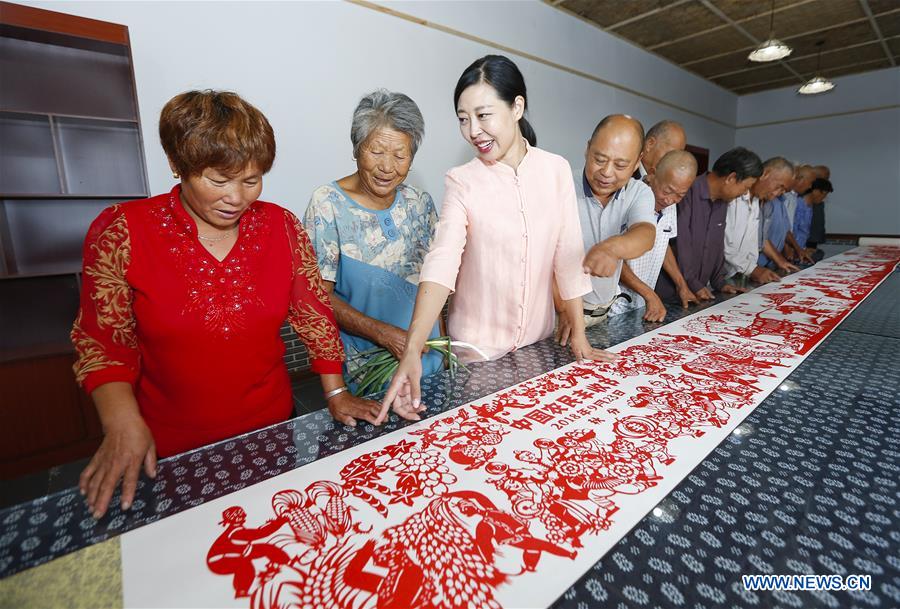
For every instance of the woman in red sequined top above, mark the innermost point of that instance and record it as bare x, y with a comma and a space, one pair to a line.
183, 296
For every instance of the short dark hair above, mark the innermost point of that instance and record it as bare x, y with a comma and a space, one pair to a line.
638, 127
820, 184
739, 161
200, 129
505, 78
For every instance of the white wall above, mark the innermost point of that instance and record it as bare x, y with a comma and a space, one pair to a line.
861, 145
306, 64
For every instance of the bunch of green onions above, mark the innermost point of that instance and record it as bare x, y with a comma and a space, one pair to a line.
380, 365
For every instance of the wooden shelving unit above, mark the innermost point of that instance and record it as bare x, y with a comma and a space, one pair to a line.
70, 145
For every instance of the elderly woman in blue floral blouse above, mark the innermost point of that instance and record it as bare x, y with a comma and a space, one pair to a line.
371, 231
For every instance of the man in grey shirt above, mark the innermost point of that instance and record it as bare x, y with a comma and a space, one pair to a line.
616, 211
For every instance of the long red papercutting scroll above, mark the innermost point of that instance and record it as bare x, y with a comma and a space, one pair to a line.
506, 501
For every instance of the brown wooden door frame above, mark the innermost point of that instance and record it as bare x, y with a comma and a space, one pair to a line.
702, 156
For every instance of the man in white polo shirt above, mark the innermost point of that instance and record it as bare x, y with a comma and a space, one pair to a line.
742, 230
616, 212
670, 179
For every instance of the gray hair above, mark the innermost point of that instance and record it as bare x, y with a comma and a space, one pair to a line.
777, 163
383, 108
662, 129
677, 161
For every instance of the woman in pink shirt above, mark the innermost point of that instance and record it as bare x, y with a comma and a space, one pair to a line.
508, 227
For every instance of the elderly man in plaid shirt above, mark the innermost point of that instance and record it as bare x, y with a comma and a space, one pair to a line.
669, 181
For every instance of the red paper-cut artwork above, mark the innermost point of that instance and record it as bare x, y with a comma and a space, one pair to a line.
506, 501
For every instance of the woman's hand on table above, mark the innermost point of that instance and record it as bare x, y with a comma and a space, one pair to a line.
346, 408
127, 446
404, 395
582, 349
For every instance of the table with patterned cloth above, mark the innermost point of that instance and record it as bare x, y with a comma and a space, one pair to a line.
807, 484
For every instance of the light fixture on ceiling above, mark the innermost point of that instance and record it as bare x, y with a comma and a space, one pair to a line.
818, 83
772, 49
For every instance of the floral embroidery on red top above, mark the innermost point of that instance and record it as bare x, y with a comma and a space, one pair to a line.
222, 291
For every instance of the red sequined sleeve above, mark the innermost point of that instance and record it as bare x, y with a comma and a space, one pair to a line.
310, 312
103, 333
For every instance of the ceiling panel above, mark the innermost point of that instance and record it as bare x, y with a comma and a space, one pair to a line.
731, 62
610, 12
876, 65
894, 45
882, 6
742, 9
889, 24
759, 75
700, 47
844, 57
691, 35
834, 38
672, 23
805, 17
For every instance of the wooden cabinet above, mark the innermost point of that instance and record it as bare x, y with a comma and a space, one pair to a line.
71, 146
46, 419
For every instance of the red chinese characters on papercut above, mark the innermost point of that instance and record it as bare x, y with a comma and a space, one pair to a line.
470, 439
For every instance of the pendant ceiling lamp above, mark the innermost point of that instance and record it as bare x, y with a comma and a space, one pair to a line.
818, 83
772, 49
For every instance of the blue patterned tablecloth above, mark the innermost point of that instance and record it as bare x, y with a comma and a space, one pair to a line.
807, 484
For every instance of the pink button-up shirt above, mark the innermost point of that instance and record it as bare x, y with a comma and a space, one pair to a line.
502, 237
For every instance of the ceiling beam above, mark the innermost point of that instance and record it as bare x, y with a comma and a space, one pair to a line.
798, 57
770, 84
825, 72
744, 32
725, 25
868, 11
654, 11
792, 37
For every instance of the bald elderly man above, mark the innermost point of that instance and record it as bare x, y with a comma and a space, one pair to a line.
662, 138
669, 181
748, 222
616, 213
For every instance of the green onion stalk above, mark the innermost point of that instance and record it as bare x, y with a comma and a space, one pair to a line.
378, 365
